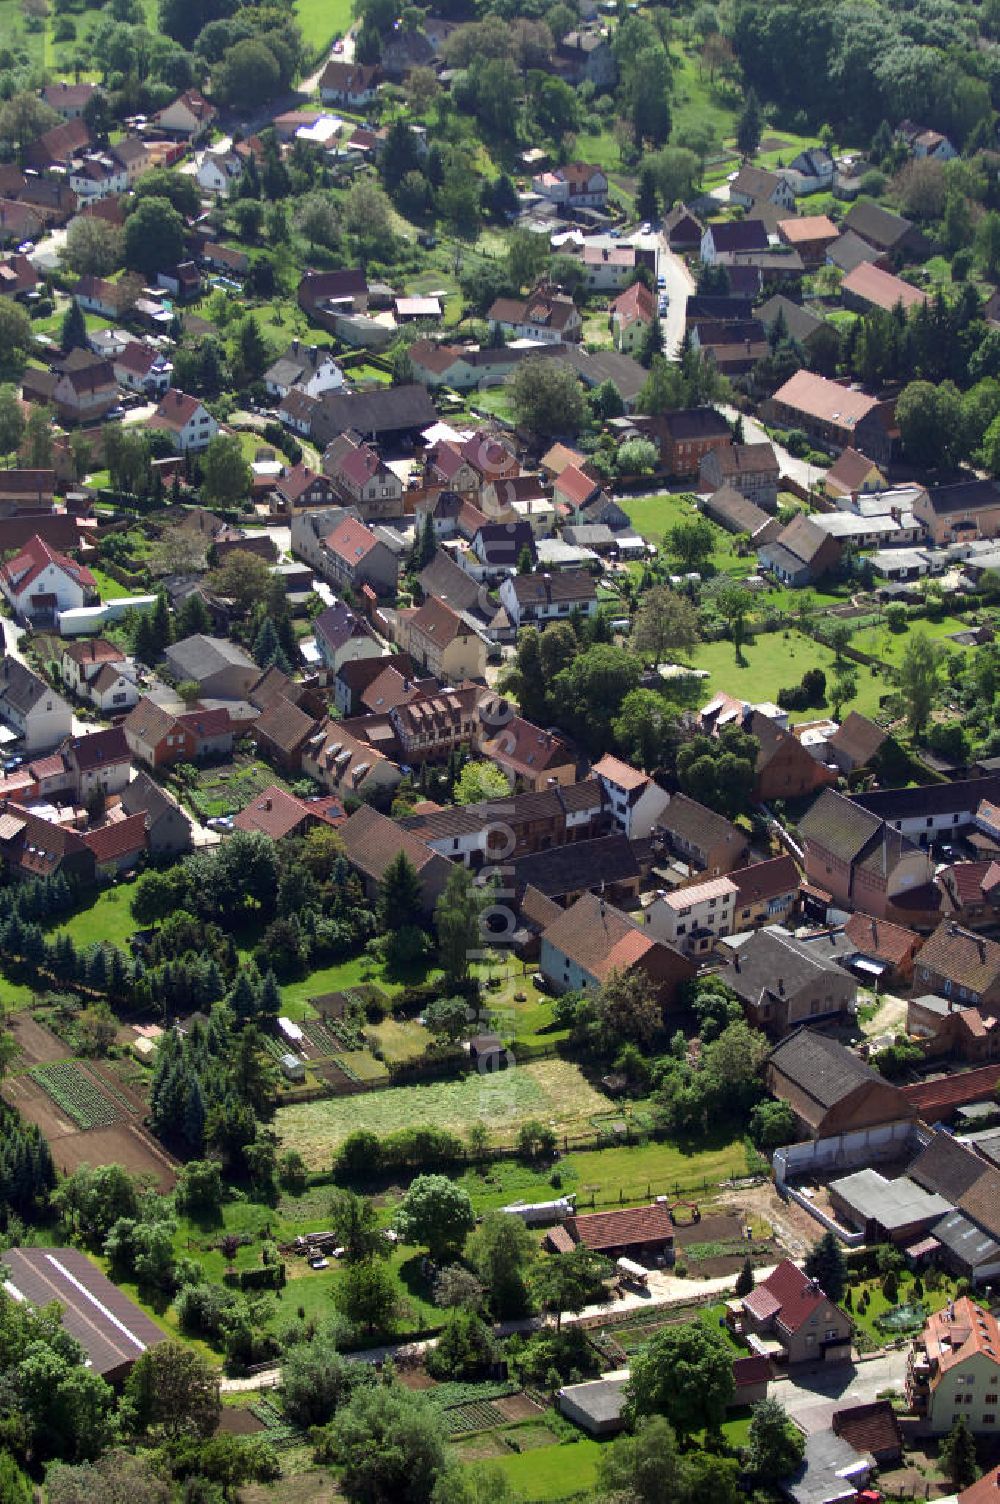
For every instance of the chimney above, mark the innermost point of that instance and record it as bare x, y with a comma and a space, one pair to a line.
781, 986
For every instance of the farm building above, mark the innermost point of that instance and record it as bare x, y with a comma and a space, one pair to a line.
112, 1330
597, 1406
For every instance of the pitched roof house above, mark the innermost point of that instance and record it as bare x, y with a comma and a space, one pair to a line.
957, 963
590, 940
860, 862
784, 982
372, 841
829, 1088
39, 581
789, 1305
839, 416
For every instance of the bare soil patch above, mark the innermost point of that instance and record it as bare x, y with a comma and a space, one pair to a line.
518, 1407
127, 1144
415, 1378
37, 1044
237, 1421
725, 1227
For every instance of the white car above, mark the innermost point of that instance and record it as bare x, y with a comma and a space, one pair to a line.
646, 228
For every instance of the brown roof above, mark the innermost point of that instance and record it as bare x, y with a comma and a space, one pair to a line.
747, 459
274, 812
93, 650
436, 621
598, 937
869, 1428
826, 401
527, 748
118, 838
891, 943
764, 880
967, 959
284, 725
749, 1372
537, 909
695, 823
372, 840
621, 1229
851, 469
859, 737
112, 1330
622, 774
881, 289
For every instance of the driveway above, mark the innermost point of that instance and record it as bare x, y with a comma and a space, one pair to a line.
800, 471
811, 1399
680, 286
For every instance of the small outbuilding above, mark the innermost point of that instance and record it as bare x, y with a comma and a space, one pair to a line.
597, 1406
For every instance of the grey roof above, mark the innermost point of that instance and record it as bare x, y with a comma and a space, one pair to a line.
800, 323
851, 251
145, 794
199, 656
594, 367
380, 411
966, 1240
947, 1168
602, 1400
20, 686
839, 825
773, 961
819, 1478
826, 1070
890, 1203
961, 797
446, 581
734, 511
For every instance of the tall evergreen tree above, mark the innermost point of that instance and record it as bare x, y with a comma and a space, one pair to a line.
73, 335
826, 1265
400, 899
750, 125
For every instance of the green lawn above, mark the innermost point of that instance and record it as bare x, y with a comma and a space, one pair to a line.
776, 660
108, 918
322, 20
632, 1173
110, 589
553, 1090
567, 1471
933, 1300
889, 646
695, 102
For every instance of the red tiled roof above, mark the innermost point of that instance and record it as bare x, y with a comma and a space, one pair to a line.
985, 1491
619, 1229
351, 541
936, 1098
274, 812
118, 838
175, 410
787, 1294
876, 937
575, 486
22, 571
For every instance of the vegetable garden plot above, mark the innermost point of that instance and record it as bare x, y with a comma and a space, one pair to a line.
74, 1090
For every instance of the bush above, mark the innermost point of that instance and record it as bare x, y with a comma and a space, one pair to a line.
961, 265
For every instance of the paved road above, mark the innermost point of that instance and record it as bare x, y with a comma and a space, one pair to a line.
665, 1289
812, 1398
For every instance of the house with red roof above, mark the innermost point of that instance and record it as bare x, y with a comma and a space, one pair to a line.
160, 738
789, 1317
352, 556
632, 313
141, 368
189, 115
532, 758
119, 844
643, 1233
38, 582
276, 813
17, 276
32, 847
187, 420
954, 1369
